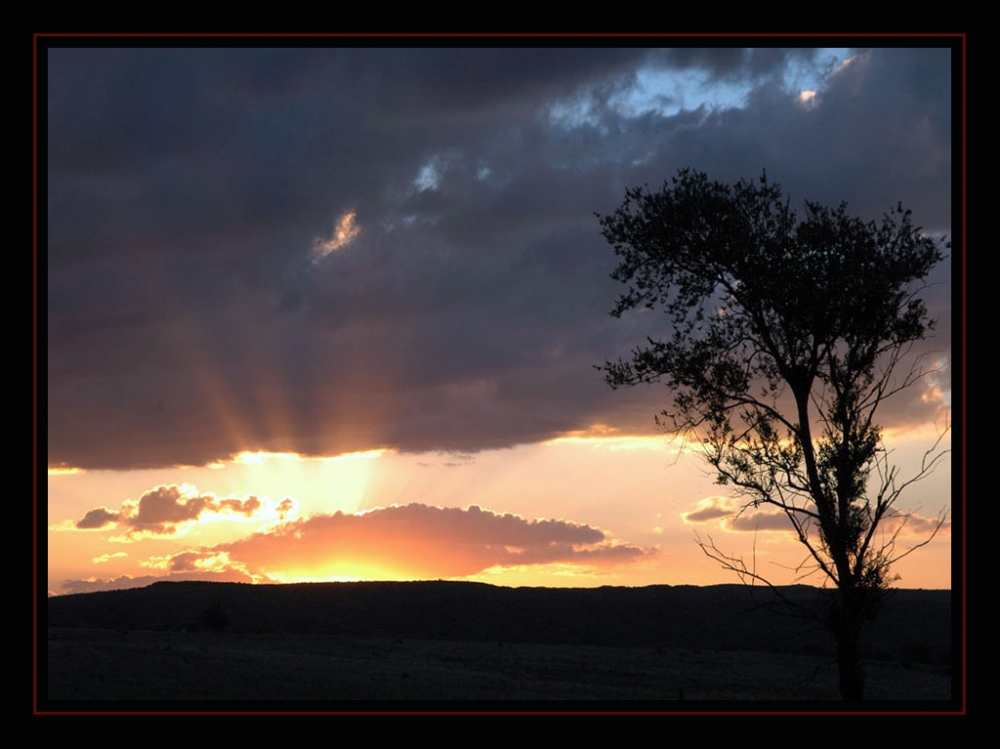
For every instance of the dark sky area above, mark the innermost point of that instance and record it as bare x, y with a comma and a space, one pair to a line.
196, 307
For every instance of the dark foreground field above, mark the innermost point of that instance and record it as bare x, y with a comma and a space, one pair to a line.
354, 644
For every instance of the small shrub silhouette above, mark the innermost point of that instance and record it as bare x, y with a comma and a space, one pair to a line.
915, 651
214, 617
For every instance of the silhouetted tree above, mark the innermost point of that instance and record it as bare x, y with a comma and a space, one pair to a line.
788, 333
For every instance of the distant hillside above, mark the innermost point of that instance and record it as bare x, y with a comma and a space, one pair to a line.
723, 617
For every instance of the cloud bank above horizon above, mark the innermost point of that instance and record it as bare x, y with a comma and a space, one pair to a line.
413, 541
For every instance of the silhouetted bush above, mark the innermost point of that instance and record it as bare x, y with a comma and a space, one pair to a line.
214, 617
915, 651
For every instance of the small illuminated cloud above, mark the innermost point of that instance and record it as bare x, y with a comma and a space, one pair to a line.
288, 510
190, 561
711, 508
912, 524
731, 516
759, 521
932, 394
938, 385
169, 510
98, 518
343, 233
108, 557
857, 63
808, 99
843, 65
64, 470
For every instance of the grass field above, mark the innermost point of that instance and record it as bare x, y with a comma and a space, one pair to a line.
101, 664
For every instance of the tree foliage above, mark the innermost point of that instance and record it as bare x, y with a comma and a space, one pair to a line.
788, 333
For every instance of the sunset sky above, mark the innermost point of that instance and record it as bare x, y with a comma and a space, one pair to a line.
333, 314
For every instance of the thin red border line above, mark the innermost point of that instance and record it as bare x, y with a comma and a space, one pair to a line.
504, 712
965, 523
783, 34
34, 365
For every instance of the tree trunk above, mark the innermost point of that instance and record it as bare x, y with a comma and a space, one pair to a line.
852, 675
846, 623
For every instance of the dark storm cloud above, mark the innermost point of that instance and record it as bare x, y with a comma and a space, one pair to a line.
189, 318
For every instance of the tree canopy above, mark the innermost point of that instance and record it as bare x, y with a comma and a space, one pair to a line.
787, 332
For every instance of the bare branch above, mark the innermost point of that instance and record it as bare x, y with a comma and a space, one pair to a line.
749, 576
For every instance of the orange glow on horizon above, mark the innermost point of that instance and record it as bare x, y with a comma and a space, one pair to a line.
408, 516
